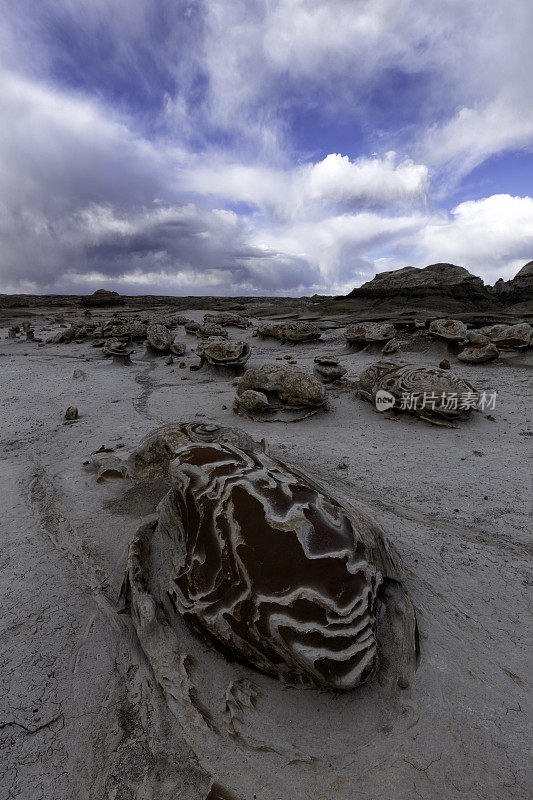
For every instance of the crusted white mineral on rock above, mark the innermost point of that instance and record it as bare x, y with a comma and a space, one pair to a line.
262, 563
453, 330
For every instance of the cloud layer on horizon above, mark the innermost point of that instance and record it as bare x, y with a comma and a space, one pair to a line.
252, 148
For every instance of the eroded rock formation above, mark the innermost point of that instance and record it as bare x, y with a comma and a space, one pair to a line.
260, 561
433, 394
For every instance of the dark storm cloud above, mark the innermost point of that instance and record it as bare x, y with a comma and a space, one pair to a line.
232, 146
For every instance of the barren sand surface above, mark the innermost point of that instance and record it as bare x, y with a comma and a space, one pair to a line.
82, 715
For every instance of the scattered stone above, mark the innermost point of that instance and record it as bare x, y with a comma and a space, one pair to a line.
177, 348
476, 337
169, 360
327, 369
71, 413
445, 364
254, 402
158, 337
479, 354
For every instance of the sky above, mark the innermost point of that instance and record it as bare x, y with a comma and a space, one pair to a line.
261, 147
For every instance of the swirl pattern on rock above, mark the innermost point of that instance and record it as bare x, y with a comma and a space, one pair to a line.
267, 567
156, 451
430, 392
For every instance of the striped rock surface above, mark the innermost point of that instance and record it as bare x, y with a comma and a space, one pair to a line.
264, 564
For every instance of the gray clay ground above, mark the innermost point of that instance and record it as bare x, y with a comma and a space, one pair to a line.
81, 715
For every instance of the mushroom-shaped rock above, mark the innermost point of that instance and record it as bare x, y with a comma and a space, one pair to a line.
300, 332
219, 352
178, 348
110, 345
433, 394
294, 389
453, 330
267, 567
158, 337
327, 369
478, 354
513, 336
206, 331
120, 354
369, 332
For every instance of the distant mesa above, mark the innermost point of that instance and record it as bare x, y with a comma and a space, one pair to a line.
102, 297
445, 285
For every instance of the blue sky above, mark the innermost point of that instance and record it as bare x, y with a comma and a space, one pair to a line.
273, 147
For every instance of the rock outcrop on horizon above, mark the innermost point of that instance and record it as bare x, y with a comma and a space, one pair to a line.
445, 286
436, 280
517, 290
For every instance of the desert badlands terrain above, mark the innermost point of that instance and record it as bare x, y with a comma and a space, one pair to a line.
154, 702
